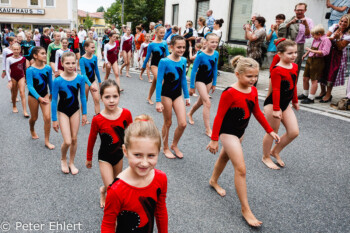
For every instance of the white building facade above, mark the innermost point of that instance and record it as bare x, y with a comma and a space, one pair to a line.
236, 13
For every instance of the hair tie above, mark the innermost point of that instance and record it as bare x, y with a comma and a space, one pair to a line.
280, 40
144, 120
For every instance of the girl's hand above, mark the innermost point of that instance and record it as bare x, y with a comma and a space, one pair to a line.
159, 107
88, 164
3, 74
296, 106
83, 120
275, 137
277, 114
43, 100
93, 88
272, 28
55, 126
212, 89
213, 146
188, 102
57, 74
9, 85
192, 91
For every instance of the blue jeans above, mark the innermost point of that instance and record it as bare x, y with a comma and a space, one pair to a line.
331, 22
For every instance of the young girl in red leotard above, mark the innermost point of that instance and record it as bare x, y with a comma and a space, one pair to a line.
127, 49
276, 106
139, 192
111, 51
235, 107
110, 124
142, 55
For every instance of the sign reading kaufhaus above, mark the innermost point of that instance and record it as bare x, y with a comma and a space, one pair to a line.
27, 11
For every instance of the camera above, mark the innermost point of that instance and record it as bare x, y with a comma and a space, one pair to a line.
299, 21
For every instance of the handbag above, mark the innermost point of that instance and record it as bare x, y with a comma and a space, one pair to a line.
328, 15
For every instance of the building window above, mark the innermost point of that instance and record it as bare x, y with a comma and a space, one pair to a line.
49, 3
241, 12
202, 8
34, 3
175, 20
5, 2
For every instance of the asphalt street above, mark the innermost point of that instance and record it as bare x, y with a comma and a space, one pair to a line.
310, 195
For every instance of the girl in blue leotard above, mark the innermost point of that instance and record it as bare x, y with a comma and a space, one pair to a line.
158, 49
203, 77
89, 68
38, 77
172, 70
67, 86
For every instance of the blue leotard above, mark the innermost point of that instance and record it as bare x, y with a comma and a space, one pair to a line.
174, 75
27, 47
205, 69
158, 51
37, 81
68, 92
89, 68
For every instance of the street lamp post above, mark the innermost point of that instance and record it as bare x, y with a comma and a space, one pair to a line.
122, 11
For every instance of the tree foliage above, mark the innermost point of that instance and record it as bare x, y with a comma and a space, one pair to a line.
100, 9
113, 13
138, 11
88, 22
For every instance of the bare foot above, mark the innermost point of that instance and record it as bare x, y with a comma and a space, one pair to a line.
49, 146
64, 166
121, 72
26, 115
128, 75
150, 80
140, 77
278, 159
17, 100
269, 163
251, 219
103, 197
150, 101
190, 119
73, 169
178, 153
14, 110
217, 187
34, 135
168, 154
87, 122
208, 132
195, 95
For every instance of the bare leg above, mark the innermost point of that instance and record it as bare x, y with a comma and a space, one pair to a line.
128, 55
306, 84
33, 108
14, 91
203, 91
21, 87
148, 73
194, 108
314, 86
87, 98
78, 58
96, 98
323, 90
154, 70
290, 122
180, 111
46, 108
116, 74
125, 58
233, 148
167, 114
268, 140
64, 123
108, 71
74, 128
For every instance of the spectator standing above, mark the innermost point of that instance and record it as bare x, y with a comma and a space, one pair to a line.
7, 34
82, 36
202, 28
252, 20
139, 39
52, 31
21, 33
210, 20
168, 31
95, 36
297, 29
272, 36
174, 32
152, 30
255, 39
63, 34
143, 29
338, 9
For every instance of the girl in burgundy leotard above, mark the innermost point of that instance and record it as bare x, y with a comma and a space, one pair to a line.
15, 71
127, 45
110, 124
142, 56
235, 107
138, 194
111, 51
284, 90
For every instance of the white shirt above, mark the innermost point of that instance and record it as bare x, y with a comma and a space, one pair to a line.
58, 56
108, 47
81, 36
63, 35
22, 34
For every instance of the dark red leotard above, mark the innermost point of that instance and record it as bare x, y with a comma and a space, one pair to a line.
16, 67
112, 54
135, 208
112, 137
127, 44
284, 87
234, 112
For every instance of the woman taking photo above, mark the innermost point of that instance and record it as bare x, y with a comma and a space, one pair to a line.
255, 39
272, 36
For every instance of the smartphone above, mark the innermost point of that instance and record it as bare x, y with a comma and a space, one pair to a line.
299, 21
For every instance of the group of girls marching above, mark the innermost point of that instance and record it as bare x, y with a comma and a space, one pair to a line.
137, 194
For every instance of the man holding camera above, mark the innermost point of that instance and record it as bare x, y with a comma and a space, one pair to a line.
297, 29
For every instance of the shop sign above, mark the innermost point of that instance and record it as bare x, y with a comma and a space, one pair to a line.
27, 11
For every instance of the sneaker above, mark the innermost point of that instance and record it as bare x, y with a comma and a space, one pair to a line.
302, 97
307, 101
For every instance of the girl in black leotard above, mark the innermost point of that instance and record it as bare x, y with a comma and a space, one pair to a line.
277, 109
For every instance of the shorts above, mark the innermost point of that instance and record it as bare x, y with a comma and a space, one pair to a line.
314, 68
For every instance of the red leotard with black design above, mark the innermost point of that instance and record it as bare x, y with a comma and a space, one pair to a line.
284, 87
135, 208
234, 112
112, 137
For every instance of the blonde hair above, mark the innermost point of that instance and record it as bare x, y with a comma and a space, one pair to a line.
318, 29
203, 21
158, 28
46, 29
142, 127
16, 45
67, 54
210, 35
241, 64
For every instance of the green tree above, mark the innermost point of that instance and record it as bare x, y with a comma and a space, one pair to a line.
88, 22
113, 13
100, 9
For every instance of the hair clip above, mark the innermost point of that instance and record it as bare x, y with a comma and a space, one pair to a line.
143, 119
280, 40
